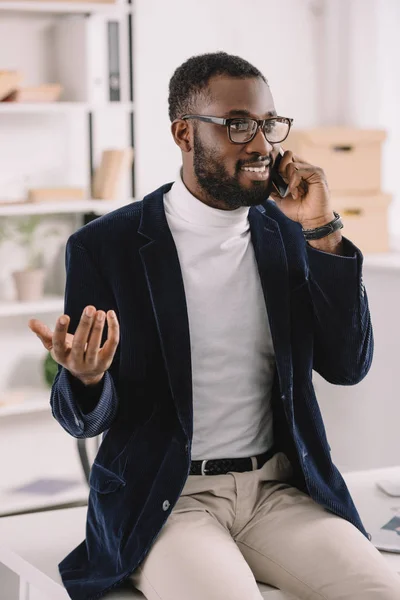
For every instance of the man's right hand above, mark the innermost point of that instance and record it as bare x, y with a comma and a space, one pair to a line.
81, 354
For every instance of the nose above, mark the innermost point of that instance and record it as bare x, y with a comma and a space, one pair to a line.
259, 144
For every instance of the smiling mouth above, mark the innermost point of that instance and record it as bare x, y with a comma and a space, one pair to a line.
261, 169
260, 173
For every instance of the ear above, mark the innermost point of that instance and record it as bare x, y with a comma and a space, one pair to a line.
182, 134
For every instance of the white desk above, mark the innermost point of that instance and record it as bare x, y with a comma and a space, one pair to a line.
372, 503
33, 544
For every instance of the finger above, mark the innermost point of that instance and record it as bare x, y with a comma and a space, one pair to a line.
298, 159
81, 336
95, 335
110, 345
43, 332
278, 199
287, 159
59, 337
38, 327
294, 181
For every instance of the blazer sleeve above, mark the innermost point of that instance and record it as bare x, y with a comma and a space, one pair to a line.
343, 335
85, 411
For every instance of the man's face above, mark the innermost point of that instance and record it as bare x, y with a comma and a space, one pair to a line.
218, 164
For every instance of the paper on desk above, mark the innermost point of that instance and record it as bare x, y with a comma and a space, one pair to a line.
393, 525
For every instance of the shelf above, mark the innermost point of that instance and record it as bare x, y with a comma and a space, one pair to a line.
42, 107
25, 408
31, 400
60, 107
48, 304
385, 261
128, 106
65, 7
100, 207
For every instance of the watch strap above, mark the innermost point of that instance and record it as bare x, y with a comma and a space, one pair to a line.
319, 232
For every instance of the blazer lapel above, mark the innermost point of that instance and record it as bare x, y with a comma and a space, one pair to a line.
165, 282
271, 258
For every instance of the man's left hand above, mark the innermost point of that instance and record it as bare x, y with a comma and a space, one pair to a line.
308, 201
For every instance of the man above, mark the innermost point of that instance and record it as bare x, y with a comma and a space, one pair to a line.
214, 469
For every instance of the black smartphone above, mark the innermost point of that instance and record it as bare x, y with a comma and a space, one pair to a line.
277, 181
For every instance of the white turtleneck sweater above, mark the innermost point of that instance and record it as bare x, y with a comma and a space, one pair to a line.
231, 347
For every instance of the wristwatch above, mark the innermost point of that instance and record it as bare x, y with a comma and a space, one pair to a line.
324, 230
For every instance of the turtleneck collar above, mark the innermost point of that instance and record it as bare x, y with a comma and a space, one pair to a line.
181, 202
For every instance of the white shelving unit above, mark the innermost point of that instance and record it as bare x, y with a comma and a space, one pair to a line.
48, 304
390, 260
65, 7
100, 207
34, 400
23, 408
10, 108
50, 145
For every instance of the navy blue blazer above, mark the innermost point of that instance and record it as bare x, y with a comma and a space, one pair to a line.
127, 261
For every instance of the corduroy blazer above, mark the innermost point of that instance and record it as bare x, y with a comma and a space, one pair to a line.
127, 261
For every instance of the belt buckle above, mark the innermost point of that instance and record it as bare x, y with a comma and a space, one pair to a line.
203, 465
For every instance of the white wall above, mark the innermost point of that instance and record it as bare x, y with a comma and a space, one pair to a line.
362, 420
327, 61
389, 114
359, 59
275, 35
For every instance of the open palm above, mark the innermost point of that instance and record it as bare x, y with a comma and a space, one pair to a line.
81, 353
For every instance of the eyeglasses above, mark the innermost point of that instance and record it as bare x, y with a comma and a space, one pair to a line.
242, 130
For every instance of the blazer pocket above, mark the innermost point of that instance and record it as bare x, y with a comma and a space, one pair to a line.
103, 480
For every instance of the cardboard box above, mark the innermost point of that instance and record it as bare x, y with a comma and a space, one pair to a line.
64, 194
351, 158
9, 82
41, 93
365, 220
107, 177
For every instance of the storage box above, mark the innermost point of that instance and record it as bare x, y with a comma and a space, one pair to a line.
365, 220
64, 194
107, 177
9, 82
351, 158
40, 93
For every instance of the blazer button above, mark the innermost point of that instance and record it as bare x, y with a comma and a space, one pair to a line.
166, 505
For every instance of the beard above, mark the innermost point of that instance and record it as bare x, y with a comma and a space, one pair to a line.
219, 185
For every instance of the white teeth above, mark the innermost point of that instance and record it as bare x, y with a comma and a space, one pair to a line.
255, 170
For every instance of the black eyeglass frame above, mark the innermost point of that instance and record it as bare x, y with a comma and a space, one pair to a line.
226, 122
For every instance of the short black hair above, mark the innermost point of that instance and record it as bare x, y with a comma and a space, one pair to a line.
190, 80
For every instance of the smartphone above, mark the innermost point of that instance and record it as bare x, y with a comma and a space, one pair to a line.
277, 181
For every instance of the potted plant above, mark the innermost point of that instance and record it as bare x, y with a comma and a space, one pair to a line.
50, 368
29, 281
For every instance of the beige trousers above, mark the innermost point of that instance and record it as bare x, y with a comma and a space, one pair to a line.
227, 531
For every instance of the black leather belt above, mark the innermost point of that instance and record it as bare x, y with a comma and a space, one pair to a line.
221, 466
